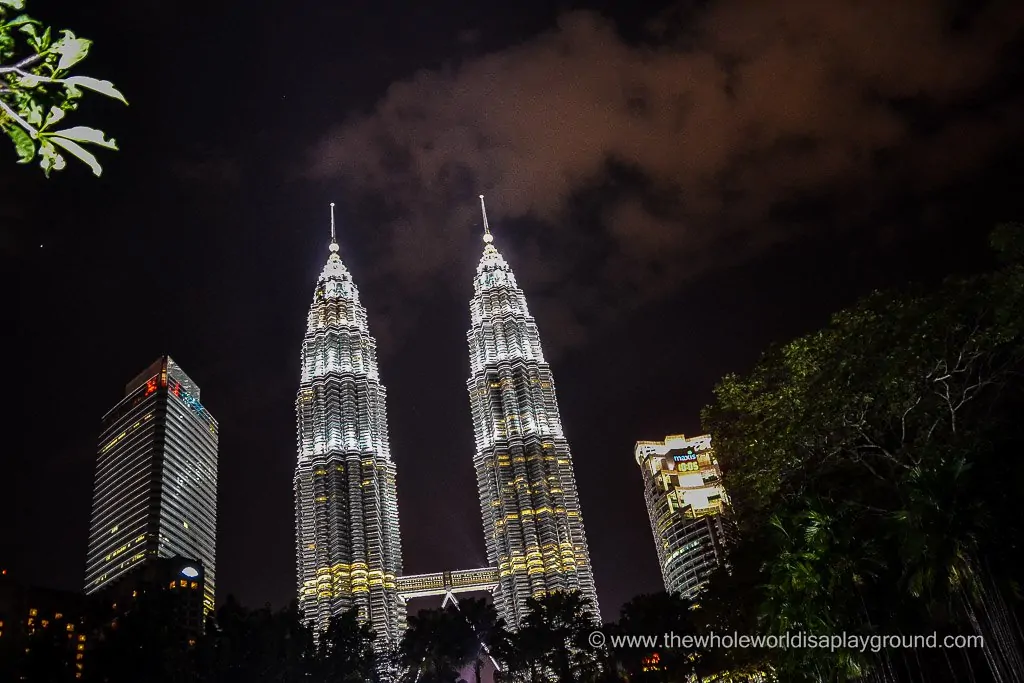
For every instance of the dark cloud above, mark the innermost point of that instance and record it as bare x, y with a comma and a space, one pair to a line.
628, 160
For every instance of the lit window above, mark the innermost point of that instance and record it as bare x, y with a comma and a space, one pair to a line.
81, 638
71, 627
80, 647
46, 622
33, 612
58, 615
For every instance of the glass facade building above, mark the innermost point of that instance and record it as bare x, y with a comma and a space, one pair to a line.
532, 521
686, 502
346, 506
155, 492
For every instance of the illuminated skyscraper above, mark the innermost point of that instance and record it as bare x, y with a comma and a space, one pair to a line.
346, 507
685, 501
155, 492
531, 511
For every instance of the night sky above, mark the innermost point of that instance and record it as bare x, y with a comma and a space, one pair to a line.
676, 188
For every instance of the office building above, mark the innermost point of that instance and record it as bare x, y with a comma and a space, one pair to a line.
172, 587
44, 632
155, 492
685, 502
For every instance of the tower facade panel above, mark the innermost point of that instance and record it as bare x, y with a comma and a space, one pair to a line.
533, 524
346, 510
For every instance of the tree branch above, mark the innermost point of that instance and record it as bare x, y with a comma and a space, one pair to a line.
903, 420
17, 119
25, 74
29, 61
23, 64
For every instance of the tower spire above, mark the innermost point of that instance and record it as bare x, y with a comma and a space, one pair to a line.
488, 237
334, 241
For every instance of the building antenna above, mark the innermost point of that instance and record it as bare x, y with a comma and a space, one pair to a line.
488, 238
334, 241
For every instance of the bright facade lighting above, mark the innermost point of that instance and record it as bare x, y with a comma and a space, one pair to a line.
685, 502
533, 527
346, 506
156, 472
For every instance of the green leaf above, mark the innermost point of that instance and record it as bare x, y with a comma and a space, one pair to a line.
56, 114
71, 50
80, 152
23, 143
29, 81
103, 87
85, 134
13, 4
34, 114
19, 20
51, 159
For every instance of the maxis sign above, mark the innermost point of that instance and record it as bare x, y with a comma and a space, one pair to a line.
688, 456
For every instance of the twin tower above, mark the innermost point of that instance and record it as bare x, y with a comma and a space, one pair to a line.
349, 550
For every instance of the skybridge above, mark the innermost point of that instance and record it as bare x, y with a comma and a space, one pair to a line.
448, 584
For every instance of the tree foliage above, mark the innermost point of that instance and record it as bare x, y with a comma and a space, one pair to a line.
244, 645
874, 466
37, 91
486, 626
660, 615
146, 642
552, 642
436, 646
346, 650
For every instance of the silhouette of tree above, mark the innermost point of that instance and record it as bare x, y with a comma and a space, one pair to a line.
243, 646
553, 641
146, 642
485, 624
437, 645
667, 618
346, 650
